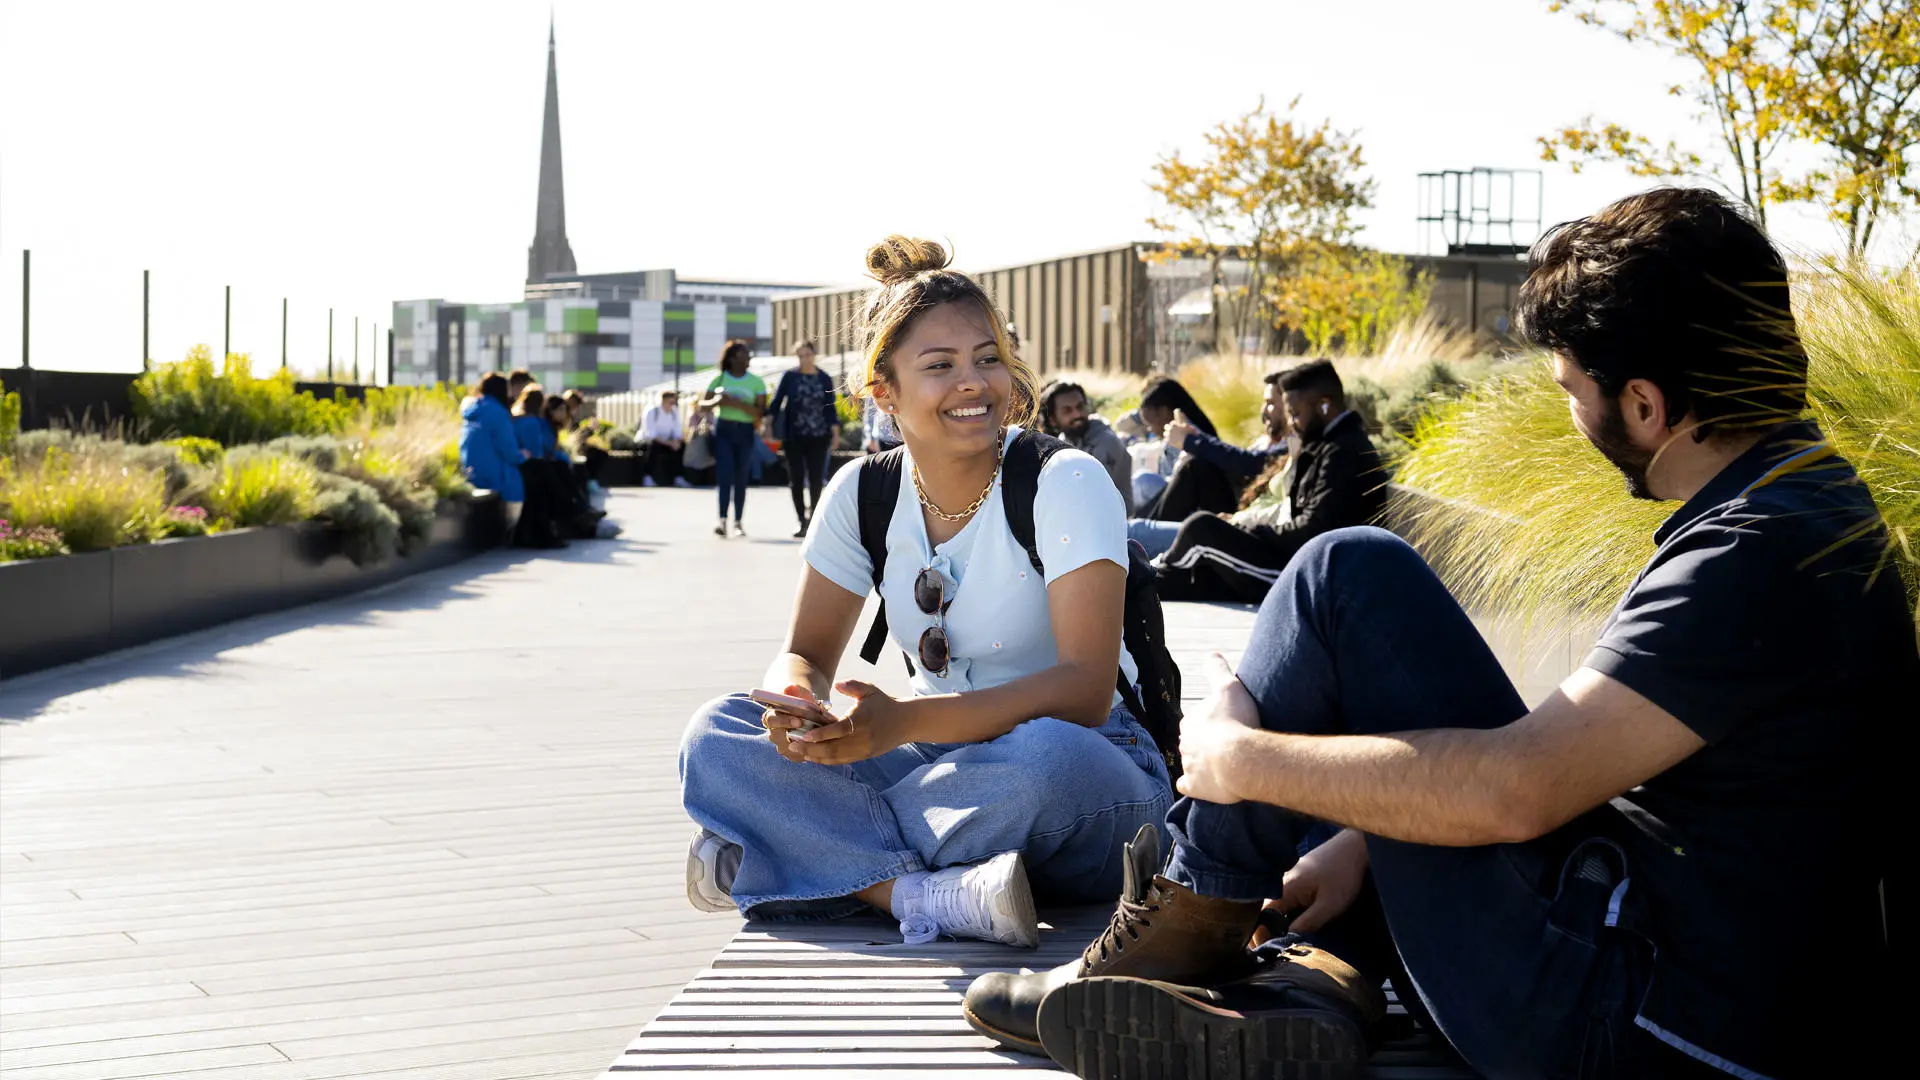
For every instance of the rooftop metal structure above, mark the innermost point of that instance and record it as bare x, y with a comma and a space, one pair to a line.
1479, 211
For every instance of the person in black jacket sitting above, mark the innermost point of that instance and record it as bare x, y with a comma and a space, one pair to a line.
1336, 481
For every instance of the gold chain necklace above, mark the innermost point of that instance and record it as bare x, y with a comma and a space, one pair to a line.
920, 489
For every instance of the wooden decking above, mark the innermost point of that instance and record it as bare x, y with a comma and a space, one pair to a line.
848, 999
423, 834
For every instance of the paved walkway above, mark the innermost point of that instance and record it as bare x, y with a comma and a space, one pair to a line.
430, 832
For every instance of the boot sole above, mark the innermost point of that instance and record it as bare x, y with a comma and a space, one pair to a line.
1110, 1027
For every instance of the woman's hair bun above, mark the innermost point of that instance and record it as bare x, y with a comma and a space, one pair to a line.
899, 258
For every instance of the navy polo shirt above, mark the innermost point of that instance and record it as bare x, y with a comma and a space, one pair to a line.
1771, 622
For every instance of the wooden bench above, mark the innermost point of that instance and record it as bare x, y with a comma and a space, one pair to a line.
821, 1000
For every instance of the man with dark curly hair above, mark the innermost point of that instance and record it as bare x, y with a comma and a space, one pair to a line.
1673, 865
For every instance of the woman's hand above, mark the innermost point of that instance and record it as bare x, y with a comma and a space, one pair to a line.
781, 724
877, 723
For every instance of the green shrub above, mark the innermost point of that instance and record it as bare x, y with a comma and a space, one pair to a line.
92, 501
1557, 532
368, 530
37, 542
257, 486
9, 420
622, 438
848, 409
386, 405
185, 480
393, 481
230, 405
197, 450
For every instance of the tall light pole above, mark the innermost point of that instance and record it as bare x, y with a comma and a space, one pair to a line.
356, 348
329, 344
26, 310
226, 334
146, 309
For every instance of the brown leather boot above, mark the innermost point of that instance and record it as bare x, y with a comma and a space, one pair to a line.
1160, 930
1307, 1015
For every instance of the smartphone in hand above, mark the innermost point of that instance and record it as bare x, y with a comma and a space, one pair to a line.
812, 712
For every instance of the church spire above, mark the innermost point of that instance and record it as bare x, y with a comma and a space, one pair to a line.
550, 253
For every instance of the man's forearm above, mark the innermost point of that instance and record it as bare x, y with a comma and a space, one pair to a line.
1451, 786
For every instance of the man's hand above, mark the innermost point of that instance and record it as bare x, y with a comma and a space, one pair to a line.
1210, 735
876, 724
1178, 430
1325, 881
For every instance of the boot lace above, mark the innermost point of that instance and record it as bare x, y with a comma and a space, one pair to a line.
1128, 919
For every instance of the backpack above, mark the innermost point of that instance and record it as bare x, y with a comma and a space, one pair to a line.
1156, 704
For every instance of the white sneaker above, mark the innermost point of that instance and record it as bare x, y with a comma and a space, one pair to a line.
647, 481
989, 901
739, 529
712, 864
681, 481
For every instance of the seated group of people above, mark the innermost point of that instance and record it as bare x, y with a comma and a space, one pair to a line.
1597, 886
514, 440
1222, 522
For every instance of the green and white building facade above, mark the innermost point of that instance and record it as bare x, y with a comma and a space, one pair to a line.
594, 345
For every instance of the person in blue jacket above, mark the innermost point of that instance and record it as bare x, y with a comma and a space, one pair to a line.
539, 521
489, 453
530, 427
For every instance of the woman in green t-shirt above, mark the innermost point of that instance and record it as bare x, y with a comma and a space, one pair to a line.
741, 399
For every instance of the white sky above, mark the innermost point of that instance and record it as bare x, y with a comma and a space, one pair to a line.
353, 153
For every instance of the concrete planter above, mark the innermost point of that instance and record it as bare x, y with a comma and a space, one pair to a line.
56, 611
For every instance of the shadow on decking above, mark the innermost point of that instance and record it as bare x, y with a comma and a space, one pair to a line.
200, 653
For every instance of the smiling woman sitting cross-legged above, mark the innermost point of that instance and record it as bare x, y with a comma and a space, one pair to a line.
1012, 770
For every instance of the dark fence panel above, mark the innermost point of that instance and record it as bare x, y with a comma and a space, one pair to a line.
92, 400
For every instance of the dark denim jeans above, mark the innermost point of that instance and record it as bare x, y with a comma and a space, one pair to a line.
1510, 946
733, 443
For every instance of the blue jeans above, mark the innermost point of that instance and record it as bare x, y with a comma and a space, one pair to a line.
1067, 796
1513, 953
733, 443
1155, 536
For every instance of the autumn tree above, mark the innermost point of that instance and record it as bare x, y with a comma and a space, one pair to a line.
1738, 86
1347, 296
1269, 190
1854, 67
1841, 77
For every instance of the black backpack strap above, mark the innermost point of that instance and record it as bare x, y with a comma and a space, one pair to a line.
1020, 480
1020, 485
879, 494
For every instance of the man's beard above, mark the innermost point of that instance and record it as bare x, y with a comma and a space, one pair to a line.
1617, 447
1079, 428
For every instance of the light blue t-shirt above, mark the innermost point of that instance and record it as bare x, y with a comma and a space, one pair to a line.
998, 624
